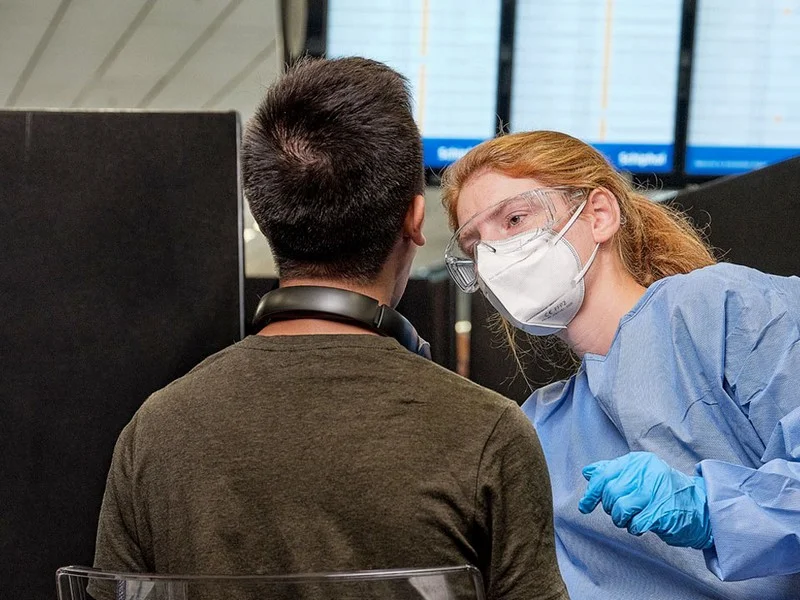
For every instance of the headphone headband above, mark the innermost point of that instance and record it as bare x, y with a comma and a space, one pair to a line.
335, 304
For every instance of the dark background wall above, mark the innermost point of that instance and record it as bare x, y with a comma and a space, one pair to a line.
121, 269
752, 219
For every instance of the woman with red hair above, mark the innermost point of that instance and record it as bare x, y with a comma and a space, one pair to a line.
684, 415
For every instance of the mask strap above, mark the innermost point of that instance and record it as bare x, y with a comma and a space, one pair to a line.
572, 220
569, 224
589, 262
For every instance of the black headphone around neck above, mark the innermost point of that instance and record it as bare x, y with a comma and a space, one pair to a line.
335, 304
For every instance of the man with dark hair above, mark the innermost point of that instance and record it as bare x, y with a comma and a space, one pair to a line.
320, 445
332, 163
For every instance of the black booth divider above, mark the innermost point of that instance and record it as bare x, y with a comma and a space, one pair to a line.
752, 219
430, 304
121, 268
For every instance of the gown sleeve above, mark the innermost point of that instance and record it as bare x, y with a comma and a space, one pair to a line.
755, 513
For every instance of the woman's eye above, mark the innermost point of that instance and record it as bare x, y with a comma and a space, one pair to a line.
515, 220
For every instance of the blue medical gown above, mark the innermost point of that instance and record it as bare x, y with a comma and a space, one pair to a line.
705, 373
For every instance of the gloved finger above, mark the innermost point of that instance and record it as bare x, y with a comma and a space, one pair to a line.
594, 491
615, 489
646, 520
593, 469
627, 507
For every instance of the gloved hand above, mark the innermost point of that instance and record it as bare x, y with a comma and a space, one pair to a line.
643, 493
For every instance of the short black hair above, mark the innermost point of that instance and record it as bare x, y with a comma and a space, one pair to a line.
331, 161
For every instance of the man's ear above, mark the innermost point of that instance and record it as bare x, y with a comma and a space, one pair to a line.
415, 219
604, 211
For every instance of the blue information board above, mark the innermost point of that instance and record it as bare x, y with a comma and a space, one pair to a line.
603, 71
744, 111
448, 50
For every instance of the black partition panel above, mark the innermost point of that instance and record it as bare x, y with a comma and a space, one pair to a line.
492, 365
429, 303
752, 219
120, 269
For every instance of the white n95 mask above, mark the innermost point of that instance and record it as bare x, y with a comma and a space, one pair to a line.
534, 279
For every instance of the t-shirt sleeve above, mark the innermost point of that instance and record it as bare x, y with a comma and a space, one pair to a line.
514, 500
117, 547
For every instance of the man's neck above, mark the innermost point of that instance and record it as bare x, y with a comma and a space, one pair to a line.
378, 290
312, 326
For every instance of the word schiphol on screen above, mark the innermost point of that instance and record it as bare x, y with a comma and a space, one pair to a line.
442, 152
639, 158
642, 160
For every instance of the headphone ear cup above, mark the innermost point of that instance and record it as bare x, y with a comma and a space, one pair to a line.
424, 348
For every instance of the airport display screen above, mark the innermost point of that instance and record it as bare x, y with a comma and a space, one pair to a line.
744, 110
604, 72
448, 50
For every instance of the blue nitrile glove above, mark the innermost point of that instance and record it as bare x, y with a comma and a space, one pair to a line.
643, 493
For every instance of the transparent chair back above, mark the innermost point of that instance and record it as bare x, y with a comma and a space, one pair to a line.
450, 583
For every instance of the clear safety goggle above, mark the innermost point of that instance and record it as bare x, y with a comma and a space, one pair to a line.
536, 210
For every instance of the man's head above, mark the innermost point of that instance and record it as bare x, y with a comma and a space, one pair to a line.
332, 164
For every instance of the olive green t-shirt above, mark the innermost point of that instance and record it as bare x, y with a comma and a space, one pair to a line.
324, 453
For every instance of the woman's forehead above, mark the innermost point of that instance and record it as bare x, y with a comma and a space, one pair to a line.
486, 189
